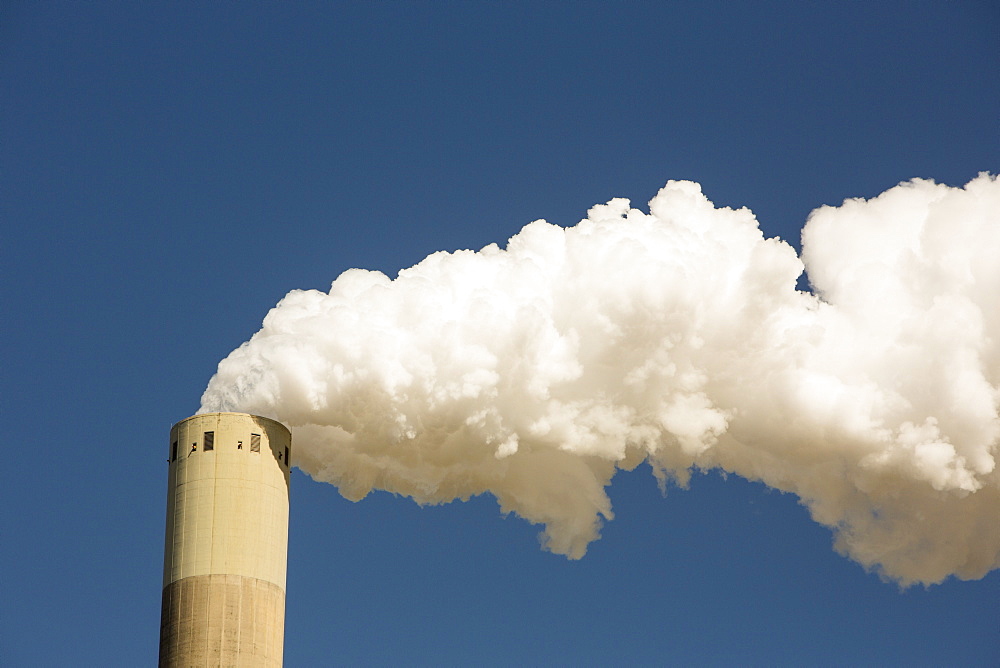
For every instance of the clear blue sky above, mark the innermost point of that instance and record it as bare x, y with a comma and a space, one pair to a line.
169, 171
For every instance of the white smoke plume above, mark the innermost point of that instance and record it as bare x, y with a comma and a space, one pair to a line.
678, 337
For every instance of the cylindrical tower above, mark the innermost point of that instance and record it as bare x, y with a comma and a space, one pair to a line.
226, 548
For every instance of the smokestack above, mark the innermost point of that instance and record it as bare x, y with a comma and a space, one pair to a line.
226, 548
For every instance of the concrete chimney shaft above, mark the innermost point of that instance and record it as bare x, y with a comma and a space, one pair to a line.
226, 549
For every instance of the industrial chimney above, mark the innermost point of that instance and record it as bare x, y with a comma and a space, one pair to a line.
226, 549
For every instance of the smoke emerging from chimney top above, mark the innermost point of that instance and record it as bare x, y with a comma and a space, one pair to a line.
675, 337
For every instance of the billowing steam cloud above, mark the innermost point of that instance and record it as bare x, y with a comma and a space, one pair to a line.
675, 337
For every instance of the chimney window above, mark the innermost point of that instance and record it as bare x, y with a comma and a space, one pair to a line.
209, 441
254, 442
173, 451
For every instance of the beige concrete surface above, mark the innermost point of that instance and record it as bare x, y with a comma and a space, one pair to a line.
225, 554
222, 620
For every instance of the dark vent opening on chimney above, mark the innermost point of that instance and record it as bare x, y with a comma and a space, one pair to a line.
254, 442
209, 440
173, 451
